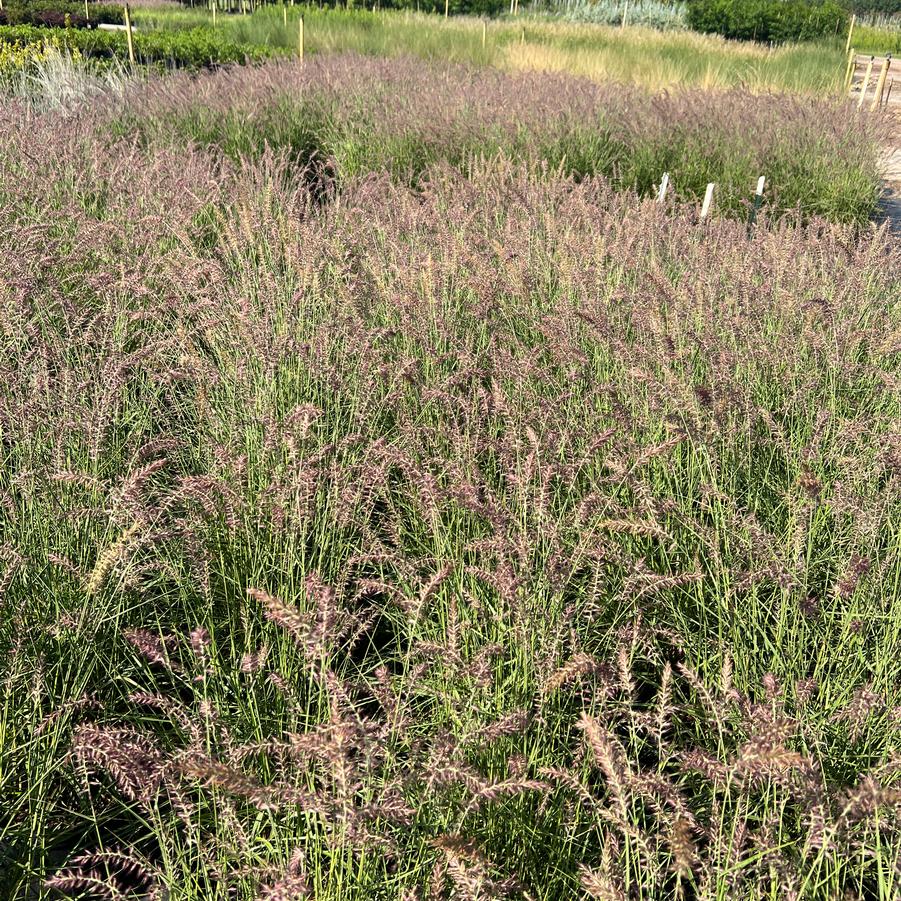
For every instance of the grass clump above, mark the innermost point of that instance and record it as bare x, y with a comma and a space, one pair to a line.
54, 79
188, 48
876, 39
396, 502
502, 536
644, 56
343, 117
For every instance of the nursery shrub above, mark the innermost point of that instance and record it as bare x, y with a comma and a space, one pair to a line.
773, 21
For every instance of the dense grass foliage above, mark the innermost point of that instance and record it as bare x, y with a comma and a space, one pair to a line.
345, 117
675, 59
653, 59
642, 56
185, 48
768, 20
502, 536
877, 39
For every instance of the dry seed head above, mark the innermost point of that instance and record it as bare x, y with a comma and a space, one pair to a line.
110, 557
150, 646
664, 701
608, 756
290, 887
810, 484
624, 668
213, 773
200, 641
581, 664
770, 686
682, 847
805, 689
600, 885
255, 660
726, 675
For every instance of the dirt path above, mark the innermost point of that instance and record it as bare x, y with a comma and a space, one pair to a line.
891, 200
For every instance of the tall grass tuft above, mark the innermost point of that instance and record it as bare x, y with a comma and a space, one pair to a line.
342, 117
496, 533
58, 79
645, 56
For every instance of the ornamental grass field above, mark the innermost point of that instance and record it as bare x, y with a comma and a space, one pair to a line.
653, 59
397, 502
167, 35
350, 116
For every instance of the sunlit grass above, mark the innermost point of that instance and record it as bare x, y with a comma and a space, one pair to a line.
876, 39
654, 59
667, 60
396, 503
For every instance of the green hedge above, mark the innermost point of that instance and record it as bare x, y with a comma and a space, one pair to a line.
770, 21
61, 14
191, 48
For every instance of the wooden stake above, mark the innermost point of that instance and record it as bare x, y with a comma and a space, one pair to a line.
87, 14
866, 83
484, 34
625, 13
446, 8
880, 85
214, 13
664, 184
708, 201
300, 38
128, 36
285, 14
850, 32
849, 71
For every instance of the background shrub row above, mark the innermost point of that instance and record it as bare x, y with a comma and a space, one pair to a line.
190, 48
61, 14
768, 20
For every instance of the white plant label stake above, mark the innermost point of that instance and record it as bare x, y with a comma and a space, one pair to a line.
708, 201
758, 200
664, 184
